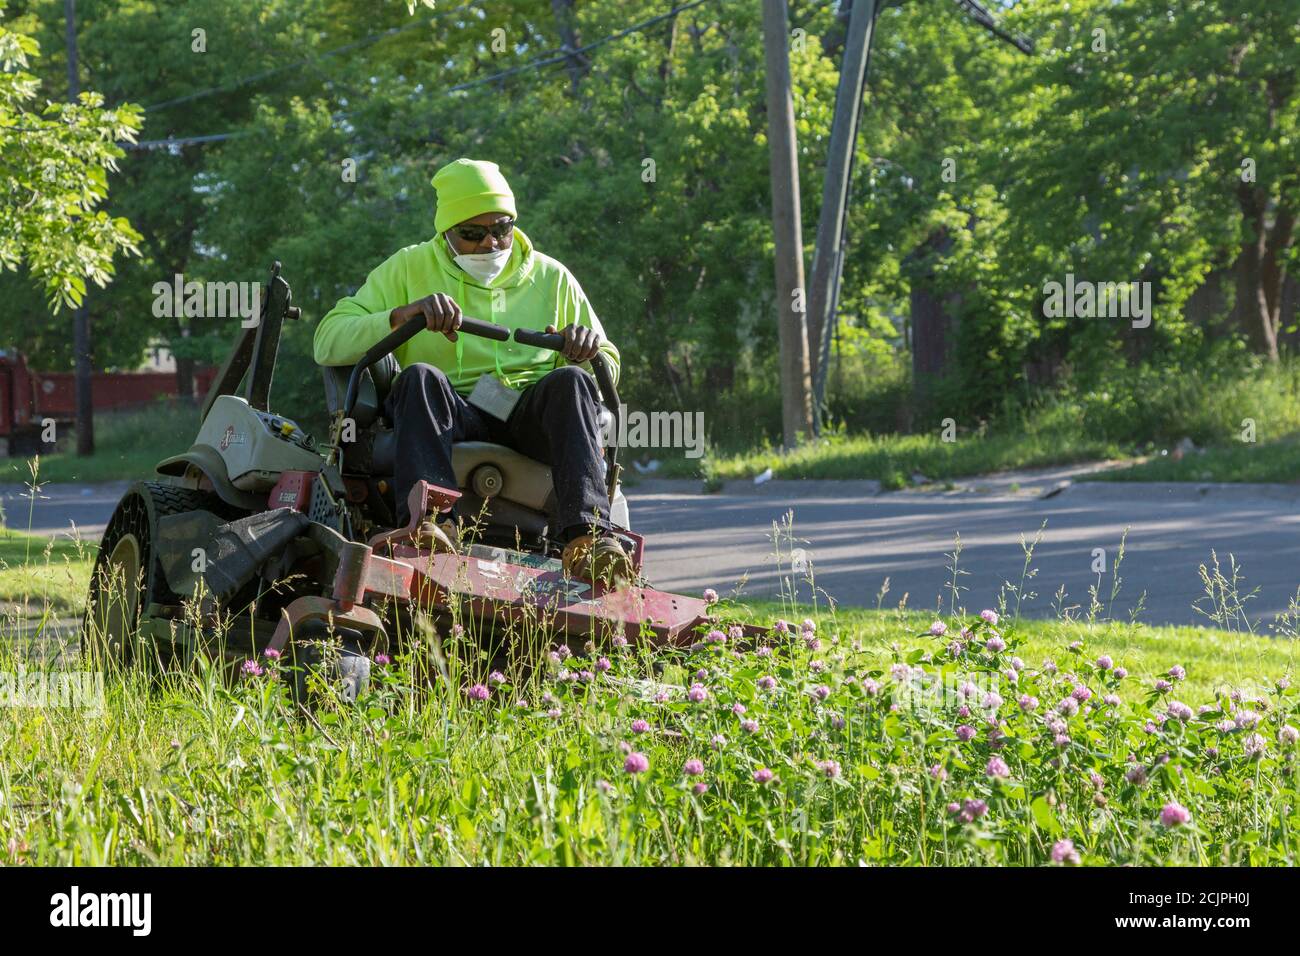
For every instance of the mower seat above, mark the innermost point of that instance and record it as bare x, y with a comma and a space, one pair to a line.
373, 450
519, 488
488, 470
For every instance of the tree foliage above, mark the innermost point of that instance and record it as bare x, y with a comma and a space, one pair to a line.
55, 158
1117, 151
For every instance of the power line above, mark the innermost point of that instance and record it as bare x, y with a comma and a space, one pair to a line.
980, 15
568, 52
345, 48
184, 140
537, 64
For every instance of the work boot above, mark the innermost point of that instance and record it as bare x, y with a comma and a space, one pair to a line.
594, 559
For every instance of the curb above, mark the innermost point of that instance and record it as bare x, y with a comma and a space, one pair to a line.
1183, 490
741, 487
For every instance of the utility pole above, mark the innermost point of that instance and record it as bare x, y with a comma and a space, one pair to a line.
828, 255
829, 252
84, 420
796, 377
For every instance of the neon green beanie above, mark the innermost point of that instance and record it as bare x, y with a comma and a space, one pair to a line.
469, 188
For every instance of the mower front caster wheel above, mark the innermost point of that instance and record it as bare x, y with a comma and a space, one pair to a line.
345, 666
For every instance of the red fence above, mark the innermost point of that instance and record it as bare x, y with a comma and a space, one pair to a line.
27, 396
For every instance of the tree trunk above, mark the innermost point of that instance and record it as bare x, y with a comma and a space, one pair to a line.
1272, 275
932, 324
184, 366
84, 419
1207, 307
578, 64
719, 378
1261, 269
666, 64
185, 380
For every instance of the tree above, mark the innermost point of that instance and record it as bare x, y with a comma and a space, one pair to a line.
1160, 147
195, 66
54, 164
927, 230
649, 178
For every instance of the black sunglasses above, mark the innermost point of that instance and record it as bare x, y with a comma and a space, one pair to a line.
473, 233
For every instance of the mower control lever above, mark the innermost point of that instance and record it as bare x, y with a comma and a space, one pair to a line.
599, 364
403, 334
541, 340
487, 330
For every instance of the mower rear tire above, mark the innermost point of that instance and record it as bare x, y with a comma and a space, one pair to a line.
127, 577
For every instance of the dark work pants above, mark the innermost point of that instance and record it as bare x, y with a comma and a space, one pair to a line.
555, 422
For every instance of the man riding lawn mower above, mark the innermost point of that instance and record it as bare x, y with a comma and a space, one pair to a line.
451, 390
470, 485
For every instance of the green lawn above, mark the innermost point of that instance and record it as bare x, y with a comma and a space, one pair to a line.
892, 459
1213, 658
1277, 461
549, 770
42, 572
127, 445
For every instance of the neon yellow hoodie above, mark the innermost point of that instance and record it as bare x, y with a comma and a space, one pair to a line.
532, 292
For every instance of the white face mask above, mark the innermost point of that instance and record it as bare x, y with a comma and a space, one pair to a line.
483, 266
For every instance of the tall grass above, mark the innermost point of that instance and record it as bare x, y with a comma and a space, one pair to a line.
849, 738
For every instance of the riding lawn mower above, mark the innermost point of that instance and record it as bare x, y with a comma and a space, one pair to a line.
262, 535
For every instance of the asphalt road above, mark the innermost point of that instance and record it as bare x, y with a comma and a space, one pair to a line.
61, 509
857, 538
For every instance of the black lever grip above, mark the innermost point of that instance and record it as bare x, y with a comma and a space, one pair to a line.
599, 364
412, 327
542, 340
487, 330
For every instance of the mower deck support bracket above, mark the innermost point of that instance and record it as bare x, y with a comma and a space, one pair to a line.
424, 501
303, 610
354, 571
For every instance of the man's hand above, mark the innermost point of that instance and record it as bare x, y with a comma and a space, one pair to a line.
440, 311
580, 343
